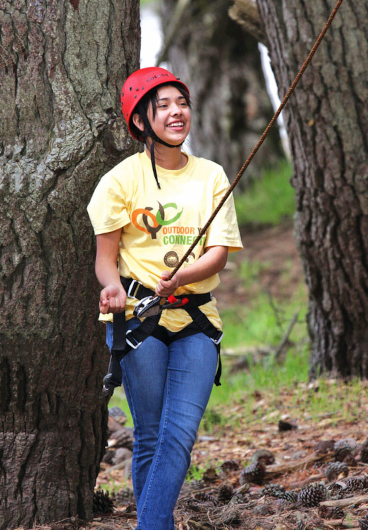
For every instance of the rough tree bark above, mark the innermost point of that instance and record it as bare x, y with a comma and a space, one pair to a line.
327, 120
62, 65
222, 66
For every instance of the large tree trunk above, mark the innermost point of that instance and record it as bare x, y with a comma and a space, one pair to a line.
221, 64
62, 65
327, 120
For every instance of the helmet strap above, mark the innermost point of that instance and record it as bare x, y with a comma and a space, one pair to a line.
153, 162
150, 133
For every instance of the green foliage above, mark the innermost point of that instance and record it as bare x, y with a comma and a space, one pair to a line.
263, 321
269, 200
264, 376
112, 487
194, 473
250, 270
119, 400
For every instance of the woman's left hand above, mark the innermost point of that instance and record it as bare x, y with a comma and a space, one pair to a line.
165, 288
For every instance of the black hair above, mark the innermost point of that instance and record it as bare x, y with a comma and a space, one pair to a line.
142, 107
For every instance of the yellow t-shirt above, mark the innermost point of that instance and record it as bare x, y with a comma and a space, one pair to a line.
159, 225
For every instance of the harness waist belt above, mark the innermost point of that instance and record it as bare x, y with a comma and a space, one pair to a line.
124, 342
136, 289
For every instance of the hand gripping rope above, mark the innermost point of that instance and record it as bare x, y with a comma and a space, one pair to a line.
154, 304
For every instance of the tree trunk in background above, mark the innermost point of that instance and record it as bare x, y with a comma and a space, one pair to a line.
222, 66
62, 65
327, 120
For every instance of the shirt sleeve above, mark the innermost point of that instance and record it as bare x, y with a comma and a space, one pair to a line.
224, 230
107, 209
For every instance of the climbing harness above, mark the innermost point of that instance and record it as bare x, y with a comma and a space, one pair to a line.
150, 305
124, 342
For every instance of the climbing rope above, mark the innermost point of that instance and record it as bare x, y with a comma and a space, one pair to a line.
262, 138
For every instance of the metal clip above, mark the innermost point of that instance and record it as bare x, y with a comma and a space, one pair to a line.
218, 337
132, 343
133, 288
149, 306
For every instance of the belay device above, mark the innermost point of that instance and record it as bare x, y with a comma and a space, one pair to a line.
150, 306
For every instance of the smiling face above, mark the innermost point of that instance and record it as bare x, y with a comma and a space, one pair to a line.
171, 120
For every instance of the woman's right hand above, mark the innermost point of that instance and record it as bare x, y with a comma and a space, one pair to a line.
112, 299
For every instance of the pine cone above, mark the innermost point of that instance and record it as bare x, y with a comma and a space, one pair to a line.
102, 502
118, 415
289, 496
205, 498
273, 490
124, 497
363, 523
264, 456
327, 446
312, 495
239, 499
364, 452
210, 475
345, 448
328, 512
355, 484
230, 465
335, 490
287, 426
253, 474
123, 438
231, 518
108, 456
335, 469
225, 493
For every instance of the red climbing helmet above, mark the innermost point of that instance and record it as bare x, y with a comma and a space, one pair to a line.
139, 83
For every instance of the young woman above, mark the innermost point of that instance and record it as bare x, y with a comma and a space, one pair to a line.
146, 212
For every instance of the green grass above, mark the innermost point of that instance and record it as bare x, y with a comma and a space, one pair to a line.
269, 200
262, 323
283, 389
119, 400
250, 270
267, 375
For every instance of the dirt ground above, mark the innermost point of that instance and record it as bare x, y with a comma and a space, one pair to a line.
275, 247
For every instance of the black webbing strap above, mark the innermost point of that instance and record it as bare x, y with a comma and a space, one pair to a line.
135, 337
122, 343
206, 326
136, 289
114, 374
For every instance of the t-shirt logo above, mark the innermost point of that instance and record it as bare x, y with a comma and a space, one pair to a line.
156, 222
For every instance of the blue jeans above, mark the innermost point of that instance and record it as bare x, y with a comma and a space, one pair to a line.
167, 388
